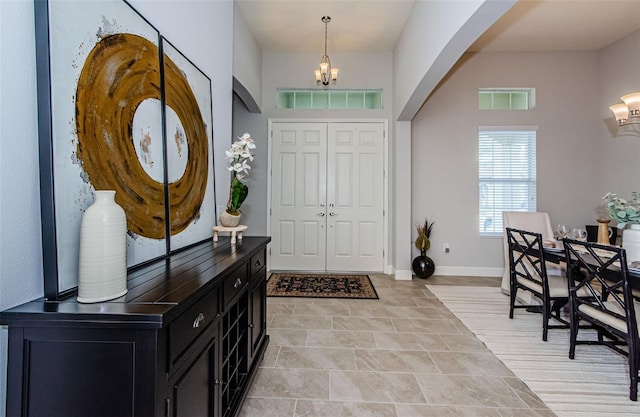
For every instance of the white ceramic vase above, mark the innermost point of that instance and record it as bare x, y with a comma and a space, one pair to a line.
631, 242
229, 220
102, 273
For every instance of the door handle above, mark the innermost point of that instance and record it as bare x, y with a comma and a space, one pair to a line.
333, 214
321, 214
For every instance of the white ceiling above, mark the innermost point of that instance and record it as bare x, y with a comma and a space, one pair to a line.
375, 25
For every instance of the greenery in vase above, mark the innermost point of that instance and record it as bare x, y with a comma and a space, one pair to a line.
423, 243
238, 158
623, 211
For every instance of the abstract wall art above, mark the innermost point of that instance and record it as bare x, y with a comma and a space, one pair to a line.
119, 108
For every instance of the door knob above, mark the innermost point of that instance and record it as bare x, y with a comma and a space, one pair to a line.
321, 214
333, 214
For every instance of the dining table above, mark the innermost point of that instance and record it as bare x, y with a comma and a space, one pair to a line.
554, 252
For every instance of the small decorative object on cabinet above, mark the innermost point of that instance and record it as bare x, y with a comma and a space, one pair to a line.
238, 158
423, 265
186, 340
230, 220
102, 265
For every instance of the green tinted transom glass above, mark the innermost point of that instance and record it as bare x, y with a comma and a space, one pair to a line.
506, 99
333, 99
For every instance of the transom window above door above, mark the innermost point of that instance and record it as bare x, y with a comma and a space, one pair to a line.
329, 99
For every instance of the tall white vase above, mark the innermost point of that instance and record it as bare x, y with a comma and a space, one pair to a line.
631, 242
102, 274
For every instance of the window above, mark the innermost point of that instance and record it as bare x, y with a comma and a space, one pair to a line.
329, 99
506, 175
506, 98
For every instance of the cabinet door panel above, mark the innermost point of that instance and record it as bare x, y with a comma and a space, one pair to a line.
257, 325
193, 392
80, 378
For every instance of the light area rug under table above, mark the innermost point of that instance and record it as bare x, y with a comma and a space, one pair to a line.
594, 384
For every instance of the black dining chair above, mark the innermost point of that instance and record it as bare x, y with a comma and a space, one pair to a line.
529, 273
603, 273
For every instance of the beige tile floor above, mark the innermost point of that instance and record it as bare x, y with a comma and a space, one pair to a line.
404, 355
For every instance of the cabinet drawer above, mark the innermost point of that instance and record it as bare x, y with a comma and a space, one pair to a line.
184, 330
258, 262
234, 284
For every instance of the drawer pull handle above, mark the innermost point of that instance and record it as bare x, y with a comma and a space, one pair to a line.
251, 326
198, 321
258, 263
237, 283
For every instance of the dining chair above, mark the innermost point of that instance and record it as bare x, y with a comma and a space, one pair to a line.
528, 272
604, 274
537, 222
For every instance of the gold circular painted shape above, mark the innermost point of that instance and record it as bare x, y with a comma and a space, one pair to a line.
120, 72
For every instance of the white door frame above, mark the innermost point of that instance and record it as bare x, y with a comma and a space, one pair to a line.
386, 178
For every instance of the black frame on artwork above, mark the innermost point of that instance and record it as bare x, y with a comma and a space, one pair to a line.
50, 227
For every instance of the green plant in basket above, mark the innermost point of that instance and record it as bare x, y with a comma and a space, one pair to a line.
623, 211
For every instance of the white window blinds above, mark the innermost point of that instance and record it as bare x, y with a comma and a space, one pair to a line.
506, 175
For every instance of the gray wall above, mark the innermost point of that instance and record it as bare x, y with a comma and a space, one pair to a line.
254, 207
577, 160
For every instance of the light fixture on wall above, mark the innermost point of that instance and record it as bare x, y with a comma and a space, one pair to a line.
326, 74
629, 112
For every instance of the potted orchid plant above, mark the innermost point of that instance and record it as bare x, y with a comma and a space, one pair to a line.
238, 158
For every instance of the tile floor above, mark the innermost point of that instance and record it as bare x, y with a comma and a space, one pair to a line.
404, 355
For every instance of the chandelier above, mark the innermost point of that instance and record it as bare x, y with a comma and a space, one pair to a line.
629, 112
326, 74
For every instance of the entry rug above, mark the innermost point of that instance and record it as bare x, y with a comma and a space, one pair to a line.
320, 286
594, 384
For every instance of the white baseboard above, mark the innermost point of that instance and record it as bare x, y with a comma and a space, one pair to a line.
403, 275
468, 271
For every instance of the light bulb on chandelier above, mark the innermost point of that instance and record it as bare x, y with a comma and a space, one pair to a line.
326, 74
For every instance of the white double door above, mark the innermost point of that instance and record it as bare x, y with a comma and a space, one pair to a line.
327, 196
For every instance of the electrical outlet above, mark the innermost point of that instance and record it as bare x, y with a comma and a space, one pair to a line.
445, 247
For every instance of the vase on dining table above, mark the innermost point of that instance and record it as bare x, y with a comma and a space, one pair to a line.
631, 242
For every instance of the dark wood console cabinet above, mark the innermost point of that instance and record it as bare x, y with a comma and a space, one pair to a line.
186, 340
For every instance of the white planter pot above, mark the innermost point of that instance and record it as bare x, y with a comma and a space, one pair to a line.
631, 242
229, 220
102, 272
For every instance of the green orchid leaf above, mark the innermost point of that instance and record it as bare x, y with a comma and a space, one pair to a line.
239, 193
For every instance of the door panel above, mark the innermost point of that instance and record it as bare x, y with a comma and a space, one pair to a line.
355, 197
298, 196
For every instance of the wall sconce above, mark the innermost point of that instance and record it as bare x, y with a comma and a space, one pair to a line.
629, 112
